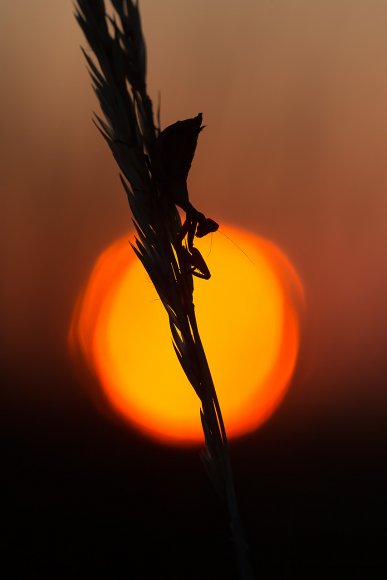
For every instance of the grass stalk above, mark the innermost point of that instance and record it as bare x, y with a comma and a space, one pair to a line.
118, 73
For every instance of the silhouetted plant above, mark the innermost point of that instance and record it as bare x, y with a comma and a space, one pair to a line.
154, 170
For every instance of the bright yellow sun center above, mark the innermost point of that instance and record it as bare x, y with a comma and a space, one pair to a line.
247, 317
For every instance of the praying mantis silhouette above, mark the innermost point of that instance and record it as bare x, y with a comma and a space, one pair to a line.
174, 152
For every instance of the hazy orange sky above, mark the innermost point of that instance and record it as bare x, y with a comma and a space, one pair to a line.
294, 96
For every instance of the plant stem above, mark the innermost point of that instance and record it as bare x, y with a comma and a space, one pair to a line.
119, 80
212, 411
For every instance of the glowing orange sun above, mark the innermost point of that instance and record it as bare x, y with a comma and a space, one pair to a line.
248, 319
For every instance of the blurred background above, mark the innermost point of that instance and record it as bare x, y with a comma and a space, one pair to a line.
294, 97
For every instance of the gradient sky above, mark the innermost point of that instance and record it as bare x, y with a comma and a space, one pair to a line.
294, 96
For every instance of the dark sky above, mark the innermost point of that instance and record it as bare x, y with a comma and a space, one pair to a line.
294, 98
